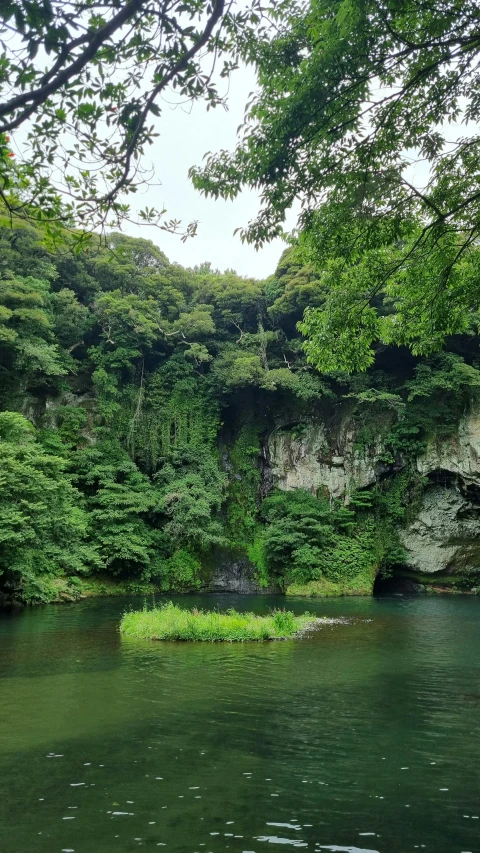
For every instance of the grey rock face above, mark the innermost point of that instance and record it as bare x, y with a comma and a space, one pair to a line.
445, 535
458, 455
311, 459
234, 573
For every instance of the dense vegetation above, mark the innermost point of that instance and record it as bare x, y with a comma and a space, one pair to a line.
171, 622
136, 397
367, 112
86, 83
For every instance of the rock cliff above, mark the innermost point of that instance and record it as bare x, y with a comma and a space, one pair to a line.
442, 535
312, 458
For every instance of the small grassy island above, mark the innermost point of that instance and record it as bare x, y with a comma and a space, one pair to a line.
170, 622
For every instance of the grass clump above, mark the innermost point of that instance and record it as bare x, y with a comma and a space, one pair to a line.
170, 622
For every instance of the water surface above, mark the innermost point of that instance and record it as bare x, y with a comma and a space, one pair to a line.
363, 737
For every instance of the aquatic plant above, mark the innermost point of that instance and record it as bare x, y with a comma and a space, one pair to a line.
170, 622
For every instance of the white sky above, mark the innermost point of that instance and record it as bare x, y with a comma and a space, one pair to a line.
186, 134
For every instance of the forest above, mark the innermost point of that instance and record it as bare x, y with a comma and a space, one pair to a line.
138, 397
239, 425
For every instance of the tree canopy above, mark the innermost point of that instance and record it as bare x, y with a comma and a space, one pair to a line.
124, 362
368, 112
136, 398
81, 88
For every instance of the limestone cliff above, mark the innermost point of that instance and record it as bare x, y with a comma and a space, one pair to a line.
445, 535
442, 535
310, 458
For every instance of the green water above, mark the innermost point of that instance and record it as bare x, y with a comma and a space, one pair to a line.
362, 737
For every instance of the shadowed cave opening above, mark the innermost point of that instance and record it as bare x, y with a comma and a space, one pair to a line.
396, 584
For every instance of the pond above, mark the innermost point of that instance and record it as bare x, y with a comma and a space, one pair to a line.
362, 737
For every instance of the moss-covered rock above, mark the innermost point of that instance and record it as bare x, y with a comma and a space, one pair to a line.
323, 588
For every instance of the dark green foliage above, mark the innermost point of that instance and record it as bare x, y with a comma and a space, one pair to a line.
126, 362
171, 413
352, 95
244, 485
150, 390
44, 528
306, 539
190, 491
294, 287
440, 392
122, 505
395, 502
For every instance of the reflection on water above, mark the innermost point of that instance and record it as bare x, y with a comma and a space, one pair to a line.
362, 737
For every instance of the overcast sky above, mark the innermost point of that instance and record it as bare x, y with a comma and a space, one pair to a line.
186, 135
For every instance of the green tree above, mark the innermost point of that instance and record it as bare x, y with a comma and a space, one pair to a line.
191, 492
353, 93
43, 524
27, 344
122, 507
85, 84
305, 539
72, 320
150, 446
294, 287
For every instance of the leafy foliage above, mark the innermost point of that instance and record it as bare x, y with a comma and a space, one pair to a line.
305, 539
440, 392
124, 363
149, 389
44, 528
353, 95
26, 329
121, 502
85, 84
244, 485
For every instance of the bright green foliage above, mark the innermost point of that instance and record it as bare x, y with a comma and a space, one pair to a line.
26, 329
377, 297
374, 396
85, 84
171, 622
319, 549
256, 555
182, 571
305, 538
352, 94
43, 524
303, 385
150, 392
236, 368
